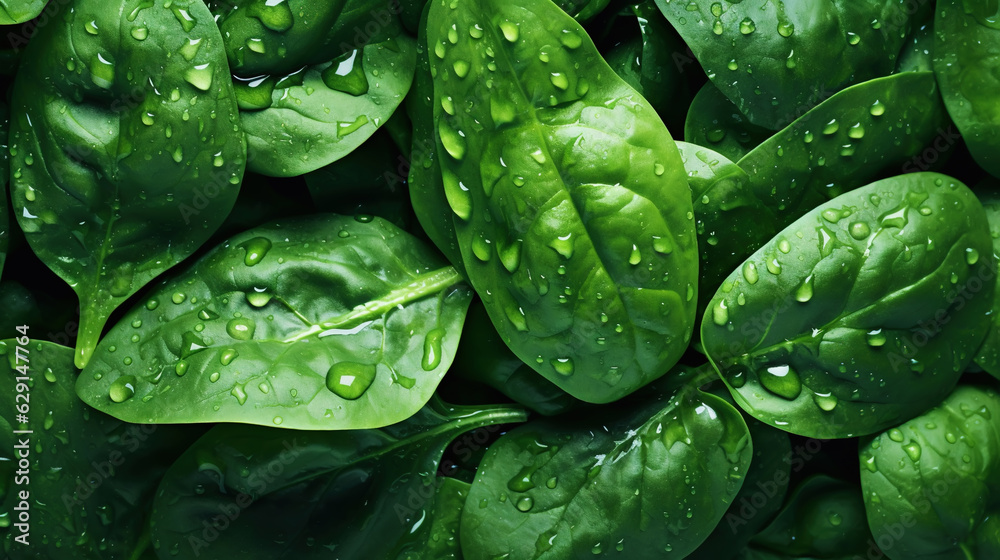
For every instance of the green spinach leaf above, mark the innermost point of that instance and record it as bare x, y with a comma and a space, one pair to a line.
90, 477
360, 494
864, 133
965, 63
988, 356
442, 536
314, 116
824, 518
569, 199
662, 474
321, 323
931, 485
426, 188
281, 37
814, 336
760, 497
124, 159
482, 356
13, 12
776, 60
715, 121
726, 210
4, 175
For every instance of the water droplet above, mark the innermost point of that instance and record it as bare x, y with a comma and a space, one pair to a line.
345, 128
432, 349
875, 338
635, 257
461, 68
786, 28
240, 393
747, 26
825, 401
256, 250
860, 230
781, 380
228, 355
720, 313
831, 127
559, 80
122, 389
510, 31
241, 328
563, 366
804, 292
346, 73
856, 132
570, 39
750, 272
178, 298
139, 33
350, 380
522, 480
259, 297
563, 245
971, 256
276, 15
525, 504
912, 450
877, 109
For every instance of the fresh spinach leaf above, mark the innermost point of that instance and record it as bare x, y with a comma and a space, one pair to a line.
647, 63
317, 114
89, 477
760, 497
965, 63
569, 199
583, 10
661, 473
988, 355
917, 54
321, 323
124, 159
775, 60
426, 188
824, 518
715, 122
359, 494
482, 356
13, 12
725, 210
267, 37
442, 536
813, 335
931, 485
864, 133
4, 174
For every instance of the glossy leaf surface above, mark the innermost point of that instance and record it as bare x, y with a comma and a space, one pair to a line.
121, 167
322, 323
569, 200
812, 334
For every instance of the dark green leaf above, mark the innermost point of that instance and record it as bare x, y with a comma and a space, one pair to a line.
569, 198
931, 485
19, 11
650, 482
966, 66
778, 59
861, 314
727, 215
988, 356
90, 479
356, 494
124, 160
715, 122
268, 37
864, 133
322, 323
824, 518
319, 114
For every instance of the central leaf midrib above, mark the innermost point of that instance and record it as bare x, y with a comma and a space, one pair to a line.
421, 286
